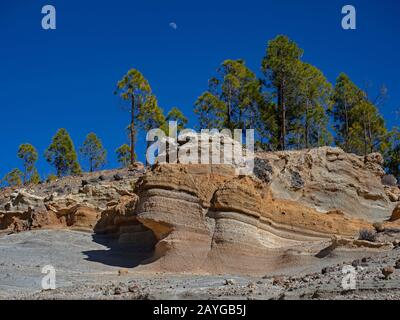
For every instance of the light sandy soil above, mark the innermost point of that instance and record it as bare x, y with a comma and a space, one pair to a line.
88, 267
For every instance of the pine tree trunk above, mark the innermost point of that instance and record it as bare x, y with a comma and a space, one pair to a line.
281, 103
365, 138
346, 142
370, 135
132, 131
25, 175
307, 128
229, 111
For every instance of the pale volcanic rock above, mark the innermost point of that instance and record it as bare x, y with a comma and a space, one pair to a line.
71, 202
208, 221
396, 213
328, 179
207, 218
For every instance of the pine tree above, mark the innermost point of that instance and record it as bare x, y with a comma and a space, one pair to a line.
210, 111
310, 119
231, 97
135, 89
359, 127
35, 177
28, 154
266, 124
124, 155
13, 178
176, 115
346, 96
281, 67
367, 132
392, 155
150, 115
94, 152
62, 155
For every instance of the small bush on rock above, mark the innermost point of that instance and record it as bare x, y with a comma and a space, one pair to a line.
367, 235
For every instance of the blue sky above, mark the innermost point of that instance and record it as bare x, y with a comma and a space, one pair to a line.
66, 77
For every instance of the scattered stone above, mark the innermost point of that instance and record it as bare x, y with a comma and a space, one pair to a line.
387, 271
118, 177
122, 272
356, 263
137, 166
365, 259
117, 291
252, 285
392, 197
282, 296
326, 270
229, 282
134, 288
278, 281
379, 226
59, 190
316, 295
84, 183
389, 180
375, 158
396, 213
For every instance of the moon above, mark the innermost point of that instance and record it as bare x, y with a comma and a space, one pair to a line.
173, 25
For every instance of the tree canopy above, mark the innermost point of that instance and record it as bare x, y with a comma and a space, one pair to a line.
62, 155
93, 150
134, 88
124, 155
29, 155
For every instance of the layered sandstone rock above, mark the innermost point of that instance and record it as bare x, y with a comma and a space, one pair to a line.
206, 218
327, 179
396, 213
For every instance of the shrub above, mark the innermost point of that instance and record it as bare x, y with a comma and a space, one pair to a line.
51, 178
367, 235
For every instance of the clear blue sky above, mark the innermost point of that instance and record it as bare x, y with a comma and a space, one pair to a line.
66, 77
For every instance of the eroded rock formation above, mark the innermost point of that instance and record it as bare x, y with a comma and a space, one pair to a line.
328, 179
206, 218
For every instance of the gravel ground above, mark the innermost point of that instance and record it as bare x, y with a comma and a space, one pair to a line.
92, 268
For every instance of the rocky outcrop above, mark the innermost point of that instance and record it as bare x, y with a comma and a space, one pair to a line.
205, 218
209, 218
395, 214
328, 178
71, 202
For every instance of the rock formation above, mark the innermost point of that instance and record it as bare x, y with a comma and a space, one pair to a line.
328, 179
206, 218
